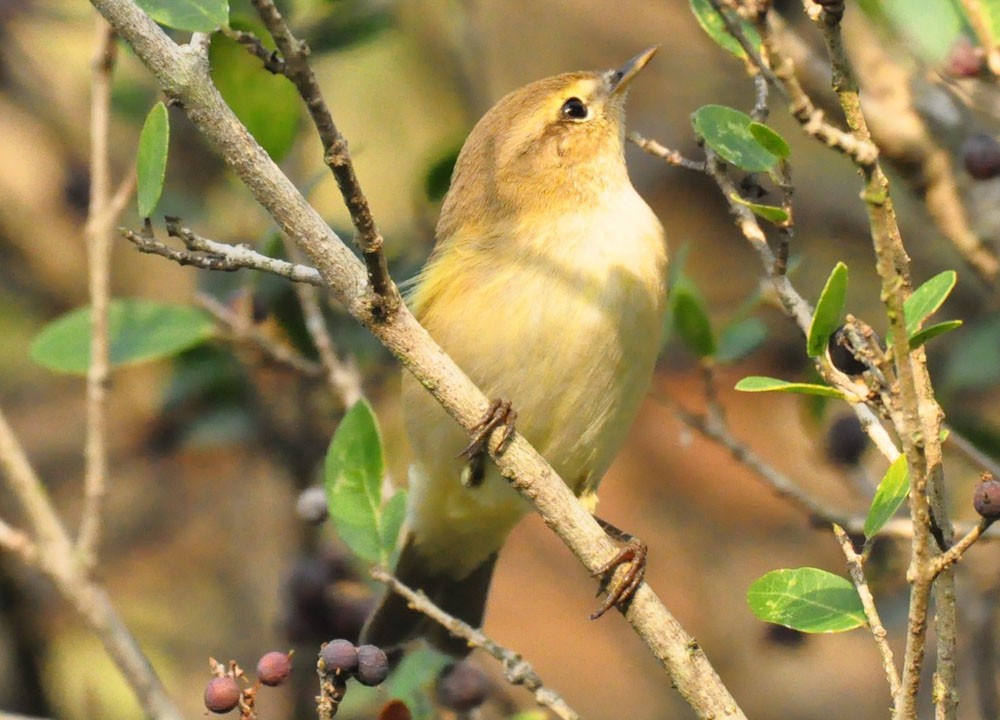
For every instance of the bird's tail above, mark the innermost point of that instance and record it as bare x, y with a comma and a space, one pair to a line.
393, 622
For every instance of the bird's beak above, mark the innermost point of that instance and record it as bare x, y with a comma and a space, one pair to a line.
622, 77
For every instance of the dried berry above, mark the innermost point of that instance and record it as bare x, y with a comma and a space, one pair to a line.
373, 665
986, 499
339, 656
311, 506
274, 668
841, 356
846, 441
462, 687
222, 694
981, 156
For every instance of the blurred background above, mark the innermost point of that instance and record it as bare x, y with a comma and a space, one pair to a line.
204, 552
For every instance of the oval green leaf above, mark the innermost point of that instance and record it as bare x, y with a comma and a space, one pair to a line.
353, 477
727, 131
760, 383
921, 336
927, 298
191, 15
771, 213
770, 140
806, 599
151, 159
138, 331
891, 493
712, 23
691, 322
830, 305
740, 339
267, 104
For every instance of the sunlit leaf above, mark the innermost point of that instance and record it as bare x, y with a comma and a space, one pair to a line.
891, 493
151, 159
758, 383
727, 131
354, 471
932, 331
806, 599
138, 331
770, 140
771, 213
712, 23
826, 318
927, 298
192, 15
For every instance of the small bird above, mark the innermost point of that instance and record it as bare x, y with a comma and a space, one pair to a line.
547, 286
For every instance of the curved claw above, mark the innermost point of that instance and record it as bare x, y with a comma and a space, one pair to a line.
633, 554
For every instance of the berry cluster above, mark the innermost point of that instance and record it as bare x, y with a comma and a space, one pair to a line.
367, 663
224, 692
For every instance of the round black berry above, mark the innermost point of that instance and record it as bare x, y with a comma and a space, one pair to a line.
339, 656
373, 665
274, 668
462, 687
846, 441
986, 499
841, 356
222, 694
981, 156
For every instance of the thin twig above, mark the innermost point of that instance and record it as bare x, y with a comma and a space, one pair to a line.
295, 53
856, 569
17, 542
951, 556
97, 233
56, 558
342, 376
243, 330
670, 156
517, 670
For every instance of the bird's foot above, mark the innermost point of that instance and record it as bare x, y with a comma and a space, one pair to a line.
500, 414
633, 556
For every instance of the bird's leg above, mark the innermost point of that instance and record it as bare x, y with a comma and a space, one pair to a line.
500, 413
632, 554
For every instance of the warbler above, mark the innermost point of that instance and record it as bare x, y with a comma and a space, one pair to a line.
547, 286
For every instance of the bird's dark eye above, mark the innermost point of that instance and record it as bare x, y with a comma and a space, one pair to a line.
575, 109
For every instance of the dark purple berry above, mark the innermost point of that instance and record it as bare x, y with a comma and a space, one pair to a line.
311, 506
986, 499
339, 656
274, 668
462, 687
981, 156
373, 665
222, 694
841, 356
846, 442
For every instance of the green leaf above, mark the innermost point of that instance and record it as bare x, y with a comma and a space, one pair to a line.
759, 383
151, 160
417, 670
267, 104
806, 599
740, 339
393, 514
692, 323
770, 140
921, 336
771, 213
138, 331
727, 132
192, 15
891, 493
713, 24
354, 471
926, 299
826, 319
349, 25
